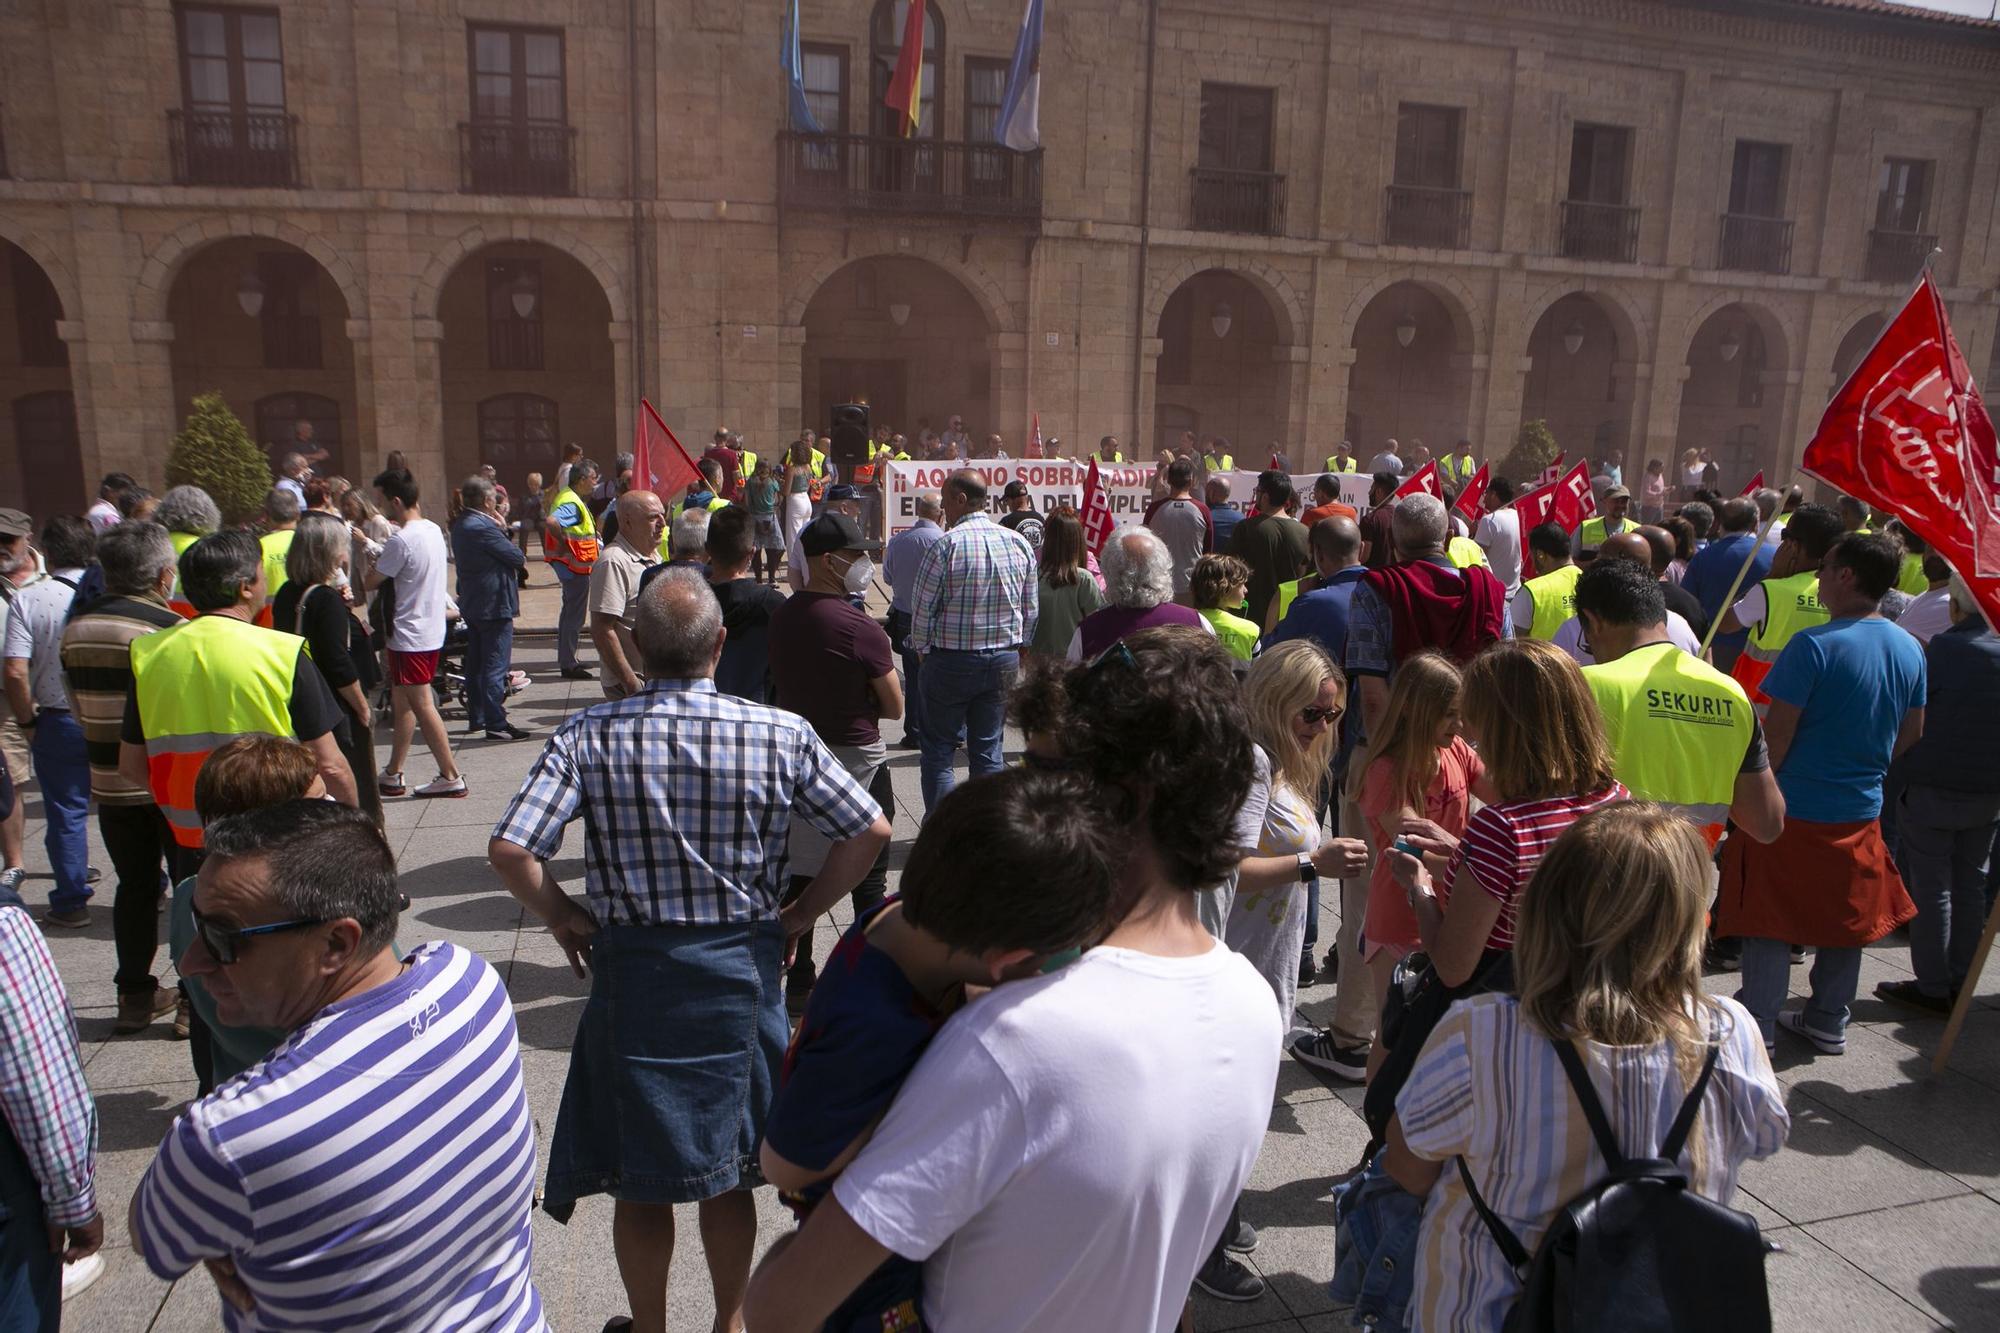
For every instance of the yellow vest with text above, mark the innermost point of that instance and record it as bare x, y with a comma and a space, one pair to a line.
1790, 605
1554, 595
574, 547
1678, 728
201, 684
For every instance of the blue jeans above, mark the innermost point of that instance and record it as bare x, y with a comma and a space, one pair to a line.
964, 692
489, 654
575, 605
1947, 837
1767, 970
62, 766
30, 1276
913, 697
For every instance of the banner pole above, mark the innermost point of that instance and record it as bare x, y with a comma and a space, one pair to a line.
1966, 992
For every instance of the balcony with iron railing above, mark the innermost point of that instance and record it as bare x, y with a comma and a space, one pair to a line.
512, 157
234, 148
1600, 231
1897, 256
1430, 216
1752, 244
879, 173
1224, 199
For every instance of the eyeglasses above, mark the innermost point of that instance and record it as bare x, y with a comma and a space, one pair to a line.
1313, 715
224, 943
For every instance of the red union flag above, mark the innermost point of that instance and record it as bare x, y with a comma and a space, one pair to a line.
1551, 472
1567, 502
1909, 434
659, 464
1756, 484
1475, 491
1424, 481
1097, 522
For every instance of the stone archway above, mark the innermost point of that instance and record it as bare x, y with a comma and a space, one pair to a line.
1225, 364
1411, 377
41, 456
1583, 363
1733, 399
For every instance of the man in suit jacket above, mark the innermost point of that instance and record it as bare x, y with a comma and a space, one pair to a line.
489, 597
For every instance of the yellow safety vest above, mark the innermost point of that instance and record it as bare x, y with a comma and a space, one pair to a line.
1226, 463
746, 463
200, 684
1235, 633
1457, 470
180, 541
574, 548
1554, 595
1790, 605
1593, 532
1287, 594
818, 464
1465, 552
1334, 466
1678, 728
277, 545
1911, 580
1116, 457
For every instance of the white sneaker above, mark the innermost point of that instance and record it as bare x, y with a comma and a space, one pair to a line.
78, 1276
391, 784
442, 786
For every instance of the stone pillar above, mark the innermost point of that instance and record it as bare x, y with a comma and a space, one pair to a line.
1297, 359
135, 409
1507, 367
1008, 389
424, 415
788, 384
624, 395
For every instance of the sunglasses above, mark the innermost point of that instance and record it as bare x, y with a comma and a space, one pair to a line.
1313, 715
225, 943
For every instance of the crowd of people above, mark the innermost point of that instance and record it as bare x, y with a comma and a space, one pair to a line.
1551, 791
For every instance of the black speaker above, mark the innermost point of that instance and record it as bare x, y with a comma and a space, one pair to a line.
850, 434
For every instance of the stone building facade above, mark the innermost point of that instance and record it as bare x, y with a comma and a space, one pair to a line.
473, 230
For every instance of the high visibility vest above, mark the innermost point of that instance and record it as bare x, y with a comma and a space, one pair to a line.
200, 684
277, 545
1287, 594
1790, 605
1333, 465
176, 599
1911, 580
1465, 552
1457, 470
1097, 457
574, 548
1593, 532
746, 463
1678, 728
1554, 595
1226, 463
818, 464
1235, 633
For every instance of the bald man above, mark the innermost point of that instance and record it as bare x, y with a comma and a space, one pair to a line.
614, 588
1628, 545
1679, 599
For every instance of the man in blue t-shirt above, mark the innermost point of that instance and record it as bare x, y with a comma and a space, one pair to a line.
1039, 889
1712, 572
1846, 698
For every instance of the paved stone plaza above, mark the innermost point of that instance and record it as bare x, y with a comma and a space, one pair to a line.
1886, 1200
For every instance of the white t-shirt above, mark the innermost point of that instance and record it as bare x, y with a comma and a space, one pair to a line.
1499, 535
1569, 638
1066, 1152
415, 558
1927, 615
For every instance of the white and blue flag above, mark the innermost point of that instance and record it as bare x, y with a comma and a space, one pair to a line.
793, 62
1020, 122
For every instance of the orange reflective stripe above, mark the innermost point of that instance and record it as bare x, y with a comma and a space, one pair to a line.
173, 776
1749, 672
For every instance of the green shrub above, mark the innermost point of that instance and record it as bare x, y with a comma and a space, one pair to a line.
1534, 449
214, 452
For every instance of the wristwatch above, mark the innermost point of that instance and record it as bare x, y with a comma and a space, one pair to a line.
1307, 871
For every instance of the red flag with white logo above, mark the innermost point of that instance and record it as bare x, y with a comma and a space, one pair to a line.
659, 463
1424, 481
1567, 502
1756, 484
1097, 524
1551, 472
1908, 433
1475, 490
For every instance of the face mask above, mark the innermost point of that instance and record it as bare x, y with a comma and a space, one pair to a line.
859, 576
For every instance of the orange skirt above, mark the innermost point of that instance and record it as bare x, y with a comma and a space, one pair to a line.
1822, 885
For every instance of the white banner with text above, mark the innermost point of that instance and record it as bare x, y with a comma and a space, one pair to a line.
1054, 482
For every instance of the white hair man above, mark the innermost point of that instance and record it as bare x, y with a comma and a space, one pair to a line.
1139, 585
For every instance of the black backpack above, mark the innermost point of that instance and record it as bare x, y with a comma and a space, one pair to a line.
1625, 1254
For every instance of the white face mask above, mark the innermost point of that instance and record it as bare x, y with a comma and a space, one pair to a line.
860, 575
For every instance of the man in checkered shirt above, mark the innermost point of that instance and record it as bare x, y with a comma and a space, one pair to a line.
687, 798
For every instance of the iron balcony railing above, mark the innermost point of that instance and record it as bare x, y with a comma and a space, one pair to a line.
1600, 231
239, 148
1755, 244
1222, 199
1429, 215
883, 173
510, 157
1896, 256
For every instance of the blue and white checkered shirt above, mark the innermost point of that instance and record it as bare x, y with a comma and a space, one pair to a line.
687, 798
47, 1104
976, 589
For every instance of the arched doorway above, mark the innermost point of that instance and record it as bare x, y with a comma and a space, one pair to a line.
526, 364
1582, 356
1854, 346
1732, 401
1220, 343
41, 459
263, 324
1411, 378
905, 337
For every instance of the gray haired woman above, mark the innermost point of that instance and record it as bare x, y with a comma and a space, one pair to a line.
188, 515
313, 604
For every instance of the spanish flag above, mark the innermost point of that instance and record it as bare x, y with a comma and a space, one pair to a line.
906, 85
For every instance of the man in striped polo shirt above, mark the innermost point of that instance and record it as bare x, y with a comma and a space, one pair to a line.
377, 1170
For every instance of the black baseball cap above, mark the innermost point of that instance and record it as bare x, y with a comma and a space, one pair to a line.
841, 491
1015, 490
832, 532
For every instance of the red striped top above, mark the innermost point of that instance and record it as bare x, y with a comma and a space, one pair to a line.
1504, 843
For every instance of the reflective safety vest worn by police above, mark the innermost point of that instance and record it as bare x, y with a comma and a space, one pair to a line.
1678, 728
573, 547
1790, 605
198, 685
1554, 595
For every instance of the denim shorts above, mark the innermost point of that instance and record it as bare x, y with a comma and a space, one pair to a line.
674, 1065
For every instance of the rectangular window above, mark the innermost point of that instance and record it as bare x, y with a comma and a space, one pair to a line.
985, 85
517, 75
1757, 180
1903, 201
1235, 127
1600, 160
232, 62
825, 69
514, 314
1427, 145
36, 310
290, 317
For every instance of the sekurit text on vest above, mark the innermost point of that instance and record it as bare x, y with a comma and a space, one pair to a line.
1680, 706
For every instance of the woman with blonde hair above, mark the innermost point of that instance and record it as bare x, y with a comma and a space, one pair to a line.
1615, 978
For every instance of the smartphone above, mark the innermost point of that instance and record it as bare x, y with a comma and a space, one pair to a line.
1407, 847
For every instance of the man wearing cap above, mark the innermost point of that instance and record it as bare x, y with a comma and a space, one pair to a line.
833, 666
1021, 515
1610, 521
841, 498
614, 588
